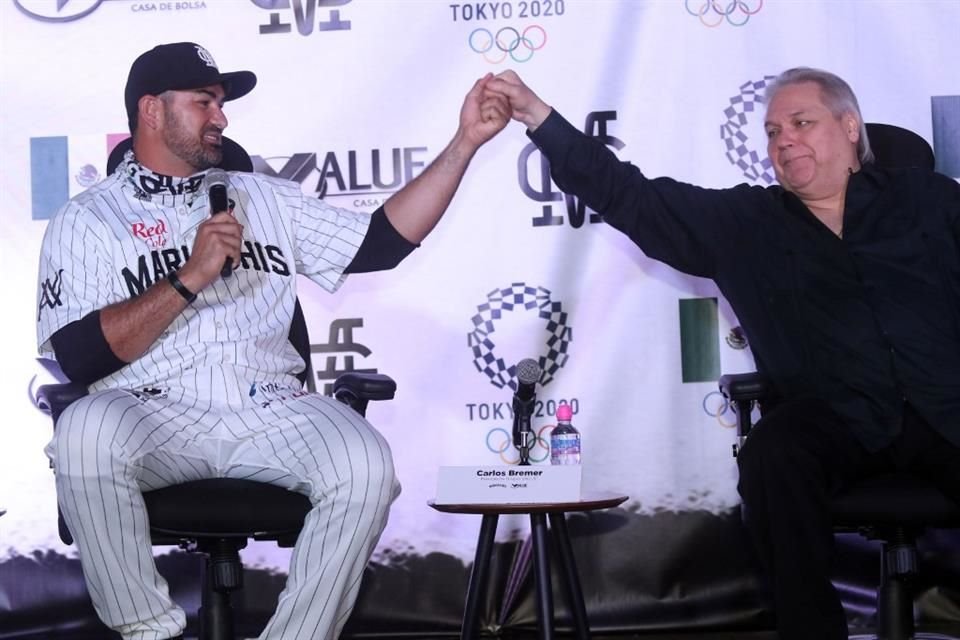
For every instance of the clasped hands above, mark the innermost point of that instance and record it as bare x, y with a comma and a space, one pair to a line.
493, 100
525, 106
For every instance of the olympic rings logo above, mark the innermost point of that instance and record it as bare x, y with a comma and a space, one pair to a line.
507, 41
501, 442
717, 406
736, 13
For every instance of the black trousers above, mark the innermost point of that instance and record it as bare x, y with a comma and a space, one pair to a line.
798, 455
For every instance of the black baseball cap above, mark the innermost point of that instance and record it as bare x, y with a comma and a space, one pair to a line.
178, 66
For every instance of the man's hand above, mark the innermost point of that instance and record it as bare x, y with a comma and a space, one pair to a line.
131, 326
484, 113
525, 105
218, 238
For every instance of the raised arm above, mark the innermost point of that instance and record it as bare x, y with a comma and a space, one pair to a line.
416, 208
680, 224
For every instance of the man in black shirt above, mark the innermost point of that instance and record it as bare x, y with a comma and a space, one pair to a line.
846, 280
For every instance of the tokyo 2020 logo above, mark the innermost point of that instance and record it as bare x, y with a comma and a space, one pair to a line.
519, 297
745, 109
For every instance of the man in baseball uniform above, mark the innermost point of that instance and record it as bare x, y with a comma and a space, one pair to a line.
174, 353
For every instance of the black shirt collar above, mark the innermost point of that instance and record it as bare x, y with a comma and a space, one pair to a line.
862, 187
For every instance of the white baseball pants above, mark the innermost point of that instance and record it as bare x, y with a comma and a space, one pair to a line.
111, 445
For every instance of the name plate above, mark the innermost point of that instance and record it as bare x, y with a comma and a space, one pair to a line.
532, 484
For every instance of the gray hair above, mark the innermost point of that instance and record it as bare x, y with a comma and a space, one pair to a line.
837, 96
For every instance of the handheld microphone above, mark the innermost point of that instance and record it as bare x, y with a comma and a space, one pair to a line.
217, 181
528, 374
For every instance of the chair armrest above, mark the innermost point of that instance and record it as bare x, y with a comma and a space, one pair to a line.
54, 398
367, 386
744, 390
744, 386
356, 389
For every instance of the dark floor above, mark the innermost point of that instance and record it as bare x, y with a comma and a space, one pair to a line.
856, 634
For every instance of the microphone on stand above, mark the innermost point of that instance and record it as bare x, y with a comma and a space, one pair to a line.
528, 374
217, 181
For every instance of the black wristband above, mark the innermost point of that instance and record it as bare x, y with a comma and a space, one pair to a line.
181, 288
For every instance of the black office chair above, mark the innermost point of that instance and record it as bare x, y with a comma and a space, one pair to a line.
218, 516
893, 508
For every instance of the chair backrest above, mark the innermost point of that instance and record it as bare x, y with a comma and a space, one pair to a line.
235, 158
896, 147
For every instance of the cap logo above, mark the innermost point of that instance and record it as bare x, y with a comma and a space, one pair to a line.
206, 57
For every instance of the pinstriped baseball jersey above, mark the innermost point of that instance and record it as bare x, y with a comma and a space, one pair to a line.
117, 239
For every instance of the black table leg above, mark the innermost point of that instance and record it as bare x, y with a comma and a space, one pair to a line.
519, 571
541, 565
558, 524
478, 576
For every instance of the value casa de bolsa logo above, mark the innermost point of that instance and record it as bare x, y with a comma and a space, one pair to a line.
367, 178
70, 10
60, 11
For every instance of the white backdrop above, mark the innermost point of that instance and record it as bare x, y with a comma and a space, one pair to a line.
371, 78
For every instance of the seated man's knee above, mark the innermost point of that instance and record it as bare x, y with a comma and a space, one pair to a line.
90, 424
376, 471
766, 439
774, 444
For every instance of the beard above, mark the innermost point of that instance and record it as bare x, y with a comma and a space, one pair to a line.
189, 147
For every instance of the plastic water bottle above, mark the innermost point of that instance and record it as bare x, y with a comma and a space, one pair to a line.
564, 439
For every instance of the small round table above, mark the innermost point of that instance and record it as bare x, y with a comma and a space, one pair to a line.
539, 514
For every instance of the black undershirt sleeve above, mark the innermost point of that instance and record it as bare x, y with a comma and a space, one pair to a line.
382, 248
82, 350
